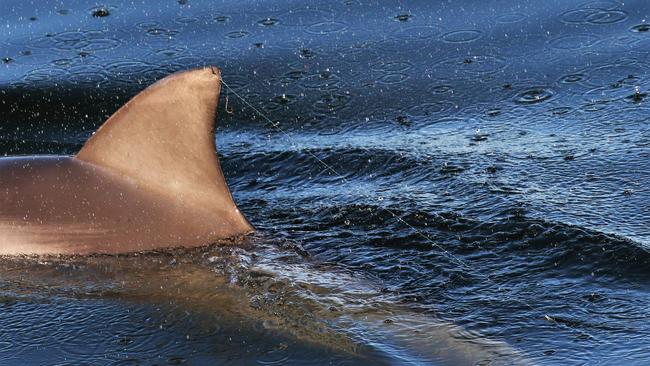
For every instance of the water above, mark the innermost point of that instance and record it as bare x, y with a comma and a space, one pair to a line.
511, 141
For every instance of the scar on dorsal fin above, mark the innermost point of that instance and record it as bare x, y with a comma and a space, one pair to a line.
164, 139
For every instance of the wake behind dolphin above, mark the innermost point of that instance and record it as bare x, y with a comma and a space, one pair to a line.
148, 178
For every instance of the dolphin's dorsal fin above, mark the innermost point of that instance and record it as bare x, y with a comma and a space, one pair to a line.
164, 139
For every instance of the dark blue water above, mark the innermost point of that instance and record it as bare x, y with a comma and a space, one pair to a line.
481, 163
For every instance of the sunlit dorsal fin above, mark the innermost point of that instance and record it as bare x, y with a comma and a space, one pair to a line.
163, 139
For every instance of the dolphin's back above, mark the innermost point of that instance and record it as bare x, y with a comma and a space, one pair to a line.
149, 178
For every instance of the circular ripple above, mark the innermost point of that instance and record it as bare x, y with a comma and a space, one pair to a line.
430, 109
474, 64
86, 74
331, 103
186, 20
441, 89
416, 33
594, 16
147, 25
304, 17
534, 96
267, 22
127, 71
394, 78
392, 66
326, 27
238, 34
40, 75
601, 4
461, 36
161, 32
361, 54
641, 28
607, 17
510, 18
572, 78
321, 81
573, 42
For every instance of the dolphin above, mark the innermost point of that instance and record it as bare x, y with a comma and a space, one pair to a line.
148, 178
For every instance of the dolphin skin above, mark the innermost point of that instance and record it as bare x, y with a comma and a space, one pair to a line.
148, 178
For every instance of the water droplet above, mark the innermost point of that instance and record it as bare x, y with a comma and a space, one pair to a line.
100, 12
641, 28
268, 22
533, 96
403, 17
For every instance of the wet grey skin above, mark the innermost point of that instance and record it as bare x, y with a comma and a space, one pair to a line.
148, 178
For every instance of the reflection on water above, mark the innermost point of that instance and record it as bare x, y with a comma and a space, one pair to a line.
263, 304
511, 140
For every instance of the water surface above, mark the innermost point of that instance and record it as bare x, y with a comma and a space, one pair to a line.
475, 171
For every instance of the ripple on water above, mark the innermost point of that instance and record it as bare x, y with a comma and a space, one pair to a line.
416, 33
45, 74
331, 103
594, 16
641, 28
238, 34
186, 20
534, 95
476, 65
441, 89
462, 36
87, 75
90, 40
162, 32
392, 78
362, 53
304, 17
324, 80
267, 22
601, 4
510, 18
572, 78
392, 66
327, 27
127, 71
573, 42
614, 75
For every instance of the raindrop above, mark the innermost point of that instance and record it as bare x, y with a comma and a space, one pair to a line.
100, 12
533, 96
403, 17
572, 78
268, 22
641, 28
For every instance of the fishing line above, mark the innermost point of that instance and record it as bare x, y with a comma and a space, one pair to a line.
447, 253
